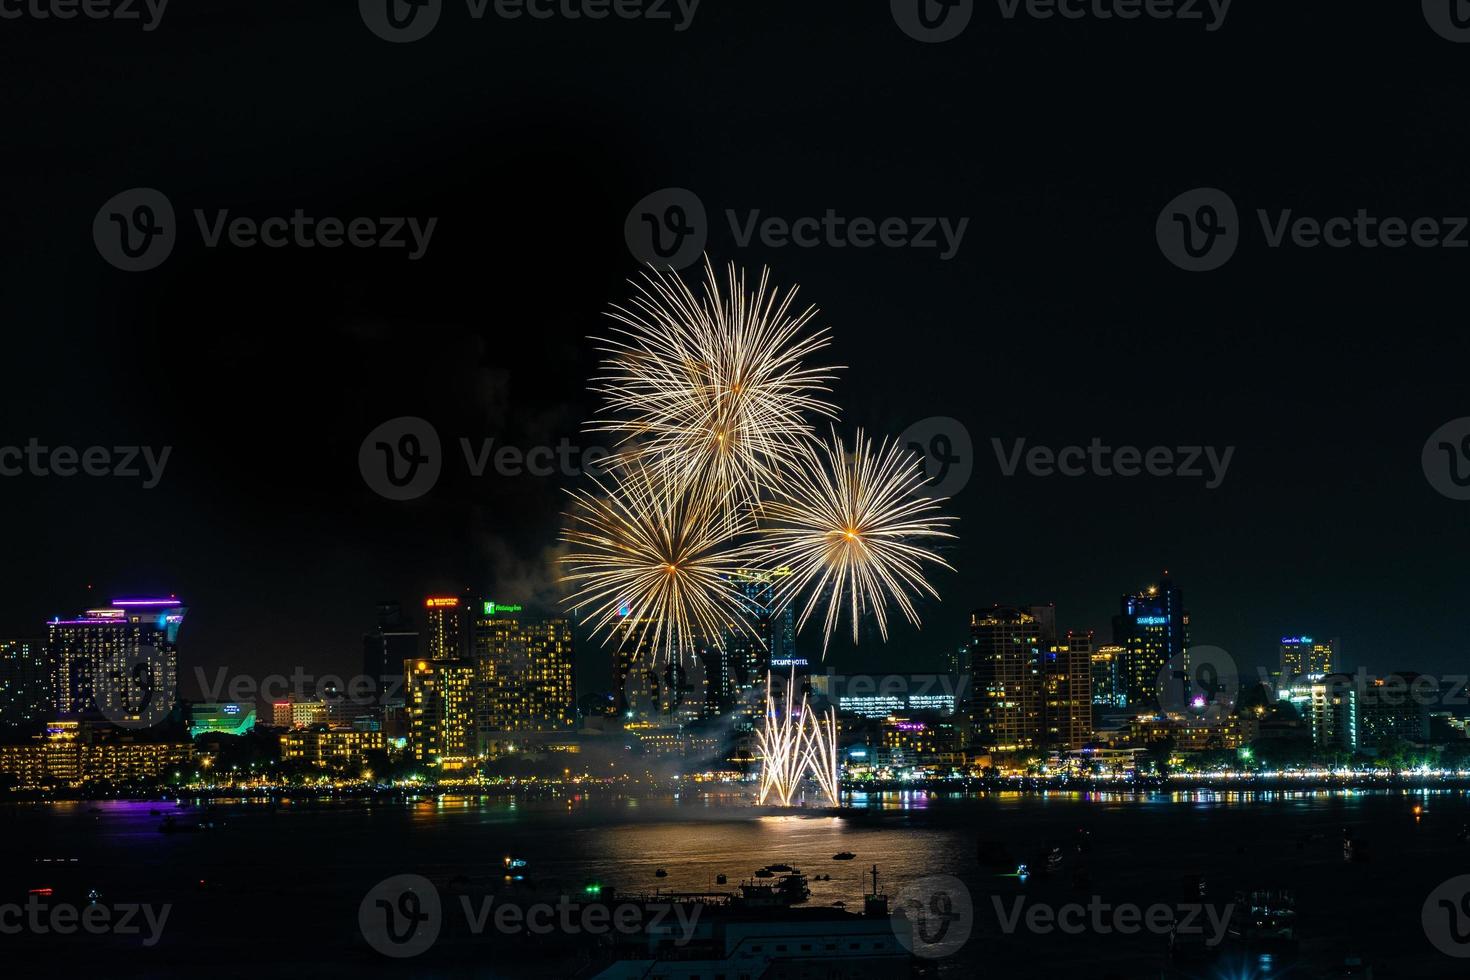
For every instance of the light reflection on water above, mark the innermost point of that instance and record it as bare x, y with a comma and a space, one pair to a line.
1146, 848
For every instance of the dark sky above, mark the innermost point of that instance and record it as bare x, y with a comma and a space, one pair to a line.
1059, 319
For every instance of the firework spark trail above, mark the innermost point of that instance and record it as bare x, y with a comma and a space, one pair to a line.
650, 553
845, 524
796, 744
712, 389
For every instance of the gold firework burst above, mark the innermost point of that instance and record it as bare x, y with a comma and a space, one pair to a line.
654, 563
848, 525
712, 389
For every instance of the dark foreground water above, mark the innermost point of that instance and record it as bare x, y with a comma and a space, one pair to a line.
276, 892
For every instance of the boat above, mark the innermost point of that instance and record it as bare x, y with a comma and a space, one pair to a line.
765, 873
783, 868
720, 879
1264, 918
660, 873
787, 890
843, 856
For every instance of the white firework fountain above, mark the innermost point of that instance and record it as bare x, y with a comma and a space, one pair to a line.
795, 744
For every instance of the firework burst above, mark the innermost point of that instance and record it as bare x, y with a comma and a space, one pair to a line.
795, 744
847, 525
649, 554
713, 389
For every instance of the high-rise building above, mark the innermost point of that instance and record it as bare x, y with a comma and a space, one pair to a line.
523, 674
1066, 692
446, 627
1006, 648
1108, 687
1329, 705
385, 650
25, 685
771, 636
98, 660
1303, 656
1153, 629
440, 707
1393, 707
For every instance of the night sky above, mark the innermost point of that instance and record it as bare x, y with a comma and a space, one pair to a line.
1059, 320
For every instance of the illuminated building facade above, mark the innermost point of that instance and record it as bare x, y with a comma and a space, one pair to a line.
25, 685
1329, 706
445, 630
1007, 644
292, 713
1066, 692
523, 674
440, 707
1108, 687
878, 697
229, 718
911, 740
330, 747
1394, 707
1153, 629
95, 658
71, 754
1303, 656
